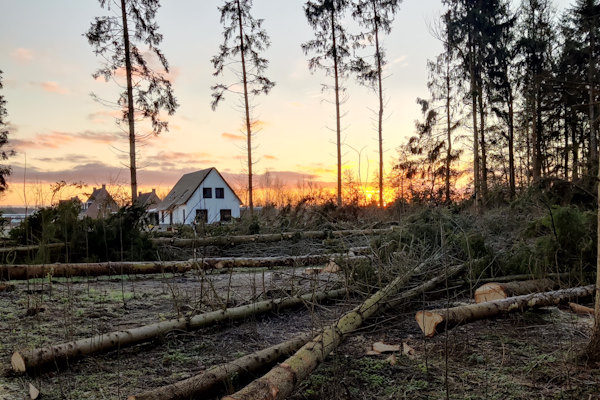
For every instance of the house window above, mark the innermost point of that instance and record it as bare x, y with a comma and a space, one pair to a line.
225, 215
202, 216
219, 193
207, 193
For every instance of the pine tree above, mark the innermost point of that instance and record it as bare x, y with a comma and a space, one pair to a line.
128, 41
244, 40
331, 48
4, 154
377, 17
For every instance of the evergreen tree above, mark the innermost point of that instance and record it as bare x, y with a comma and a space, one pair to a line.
128, 39
4, 154
244, 40
331, 48
377, 17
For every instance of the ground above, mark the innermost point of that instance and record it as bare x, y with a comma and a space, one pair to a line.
533, 355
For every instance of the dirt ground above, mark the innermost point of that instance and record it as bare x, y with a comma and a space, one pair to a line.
522, 356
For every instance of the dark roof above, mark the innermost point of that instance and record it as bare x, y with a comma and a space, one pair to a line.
102, 203
186, 187
148, 199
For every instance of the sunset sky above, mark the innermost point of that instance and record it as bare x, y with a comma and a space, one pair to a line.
60, 133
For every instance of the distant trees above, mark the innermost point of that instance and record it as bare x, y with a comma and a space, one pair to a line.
376, 16
331, 53
4, 153
244, 40
128, 41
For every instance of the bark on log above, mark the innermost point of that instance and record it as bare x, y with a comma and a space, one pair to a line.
20, 249
209, 380
22, 272
281, 380
265, 238
510, 278
26, 361
432, 321
496, 291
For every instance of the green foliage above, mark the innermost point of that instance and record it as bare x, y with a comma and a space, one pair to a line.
119, 237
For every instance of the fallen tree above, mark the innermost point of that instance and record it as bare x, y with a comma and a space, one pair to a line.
21, 272
432, 321
265, 238
21, 249
281, 380
496, 291
209, 380
24, 361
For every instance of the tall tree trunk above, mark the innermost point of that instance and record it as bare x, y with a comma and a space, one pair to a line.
448, 130
338, 129
247, 109
593, 347
476, 184
535, 142
484, 171
130, 104
380, 115
511, 145
574, 148
593, 162
566, 150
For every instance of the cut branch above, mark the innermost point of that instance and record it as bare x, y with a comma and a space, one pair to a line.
433, 321
280, 381
496, 291
27, 361
208, 381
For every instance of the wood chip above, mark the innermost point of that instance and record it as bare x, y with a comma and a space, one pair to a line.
34, 393
392, 359
408, 351
381, 347
332, 267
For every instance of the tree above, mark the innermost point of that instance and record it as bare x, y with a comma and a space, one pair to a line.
377, 17
4, 154
331, 54
244, 38
128, 41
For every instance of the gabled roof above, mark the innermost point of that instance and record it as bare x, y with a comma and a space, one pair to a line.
147, 199
100, 203
186, 187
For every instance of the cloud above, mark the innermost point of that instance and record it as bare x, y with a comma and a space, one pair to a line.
56, 139
231, 136
23, 55
51, 87
74, 158
270, 157
102, 117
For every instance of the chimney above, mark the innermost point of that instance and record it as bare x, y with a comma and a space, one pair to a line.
153, 190
139, 194
103, 186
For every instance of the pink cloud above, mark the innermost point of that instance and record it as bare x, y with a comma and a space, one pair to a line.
22, 55
231, 136
270, 157
53, 87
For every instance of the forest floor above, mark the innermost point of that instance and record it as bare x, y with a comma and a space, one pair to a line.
532, 355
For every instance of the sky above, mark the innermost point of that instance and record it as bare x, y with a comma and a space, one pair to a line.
60, 133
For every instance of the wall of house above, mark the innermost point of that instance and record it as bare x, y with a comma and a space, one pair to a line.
213, 205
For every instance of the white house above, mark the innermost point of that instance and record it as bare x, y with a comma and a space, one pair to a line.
202, 196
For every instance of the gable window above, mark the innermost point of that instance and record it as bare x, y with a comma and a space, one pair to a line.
207, 193
202, 216
225, 215
219, 193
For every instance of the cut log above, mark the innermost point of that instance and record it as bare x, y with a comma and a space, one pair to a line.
496, 291
581, 310
5, 287
281, 380
511, 278
21, 272
265, 238
27, 361
22, 249
432, 321
209, 380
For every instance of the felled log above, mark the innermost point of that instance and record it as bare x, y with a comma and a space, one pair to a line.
581, 310
280, 381
21, 249
265, 238
496, 291
4, 287
24, 361
432, 321
21, 272
209, 380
